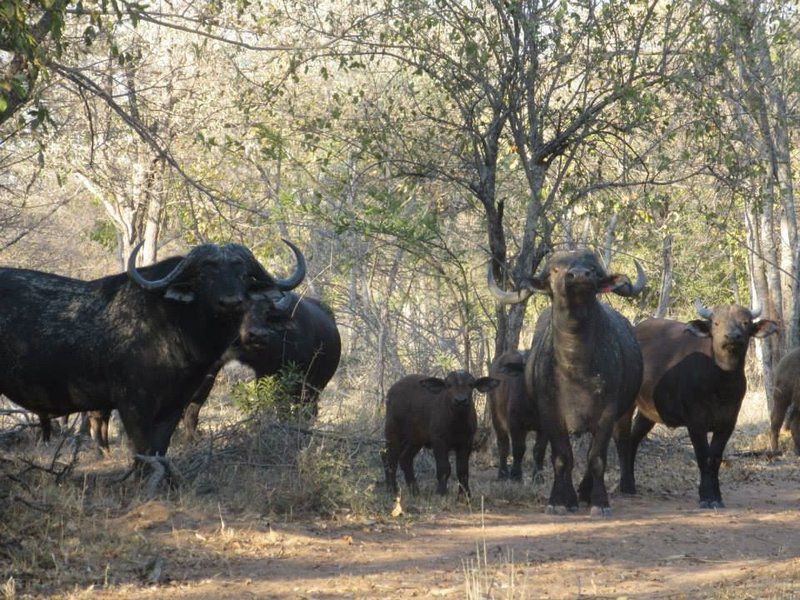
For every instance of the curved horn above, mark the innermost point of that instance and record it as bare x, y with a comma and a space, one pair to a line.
503, 296
704, 312
154, 284
636, 288
299, 273
755, 312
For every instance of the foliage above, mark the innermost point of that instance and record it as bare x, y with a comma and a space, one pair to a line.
272, 395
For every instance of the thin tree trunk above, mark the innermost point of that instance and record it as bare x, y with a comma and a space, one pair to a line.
666, 278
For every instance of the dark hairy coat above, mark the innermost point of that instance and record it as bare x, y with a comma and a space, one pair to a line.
301, 332
694, 378
434, 413
584, 369
514, 414
139, 342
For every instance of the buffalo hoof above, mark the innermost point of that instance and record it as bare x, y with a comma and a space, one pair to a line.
559, 509
538, 478
600, 511
712, 504
629, 489
502, 475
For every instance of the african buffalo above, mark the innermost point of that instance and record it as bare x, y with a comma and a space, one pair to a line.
435, 413
694, 378
299, 331
140, 342
786, 397
584, 369
514, 415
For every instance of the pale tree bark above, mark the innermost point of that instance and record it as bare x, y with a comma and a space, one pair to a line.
666, 278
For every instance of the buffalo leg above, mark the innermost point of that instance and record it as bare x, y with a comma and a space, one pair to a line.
794, 427
718, 442
780, 404
641, 427
622, 438
501, 433
98, 426
440, 453
518, 436
592, 489
462, 468
191, 413
47, 427
701, 452
562, 495
390, 459
407, 455
539, 449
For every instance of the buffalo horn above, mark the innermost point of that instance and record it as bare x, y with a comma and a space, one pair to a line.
503, 296
755, 312
299, 274
154, 284
704, 312
633, 290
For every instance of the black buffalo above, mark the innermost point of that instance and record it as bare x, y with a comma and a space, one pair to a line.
694, 378
297, 331
514, 415
140, 342
786, 397
434, 413
584, 369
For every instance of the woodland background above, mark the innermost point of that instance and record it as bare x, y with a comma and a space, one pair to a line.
404, 143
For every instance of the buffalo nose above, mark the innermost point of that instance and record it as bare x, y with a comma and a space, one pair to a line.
735, 336
577, 274
256, 336
230, 303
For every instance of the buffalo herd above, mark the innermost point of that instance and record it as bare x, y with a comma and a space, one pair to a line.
150, 343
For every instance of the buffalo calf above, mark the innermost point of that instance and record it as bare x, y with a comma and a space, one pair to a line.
514, 414
435, 413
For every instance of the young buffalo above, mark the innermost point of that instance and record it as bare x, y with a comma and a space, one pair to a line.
514, 414
435, 413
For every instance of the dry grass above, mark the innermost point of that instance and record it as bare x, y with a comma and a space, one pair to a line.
85, 531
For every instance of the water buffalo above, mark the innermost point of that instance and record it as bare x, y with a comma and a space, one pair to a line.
694, 378
141, 342
514, 415
786, 397
298, 331
435, 413
584, 369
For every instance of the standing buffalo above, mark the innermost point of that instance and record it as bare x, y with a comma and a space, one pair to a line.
786, 397
514, 415
296, 331
140, 342
435, 413
584, 369
694, 378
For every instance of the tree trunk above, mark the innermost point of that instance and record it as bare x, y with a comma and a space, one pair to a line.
666, 278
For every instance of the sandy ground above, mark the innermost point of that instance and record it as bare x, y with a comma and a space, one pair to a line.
502, 545
653, 546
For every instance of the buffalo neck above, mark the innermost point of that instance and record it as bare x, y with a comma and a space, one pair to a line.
573, 332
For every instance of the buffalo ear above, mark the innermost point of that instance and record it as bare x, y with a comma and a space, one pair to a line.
486, 384
763, 328
699, 327
179, 293
434, 385
612, 282
514, 368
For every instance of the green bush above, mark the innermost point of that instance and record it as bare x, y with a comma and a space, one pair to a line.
273, 395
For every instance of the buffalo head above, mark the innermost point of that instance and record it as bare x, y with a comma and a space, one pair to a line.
576, 276
226, 278
457, 387
730, 329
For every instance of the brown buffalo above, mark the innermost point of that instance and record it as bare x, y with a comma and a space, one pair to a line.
513, 416
434, 413
786, 397
694, 378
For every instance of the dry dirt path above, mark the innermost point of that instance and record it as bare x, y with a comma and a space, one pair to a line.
653, 546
